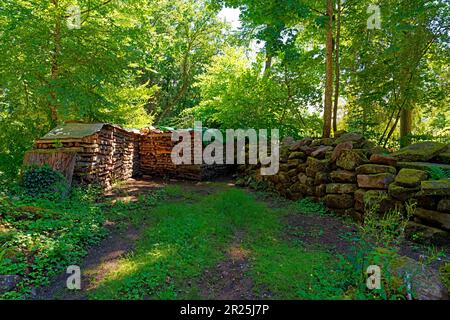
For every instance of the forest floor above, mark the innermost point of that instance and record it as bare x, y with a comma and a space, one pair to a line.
213, 240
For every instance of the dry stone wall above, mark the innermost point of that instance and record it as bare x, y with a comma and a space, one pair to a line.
351, 175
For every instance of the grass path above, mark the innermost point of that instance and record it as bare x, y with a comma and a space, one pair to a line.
213, 241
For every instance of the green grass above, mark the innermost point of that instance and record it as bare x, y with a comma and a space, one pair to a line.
309, 206
184, 234
444, 272
186, 239
182, 242
290, 272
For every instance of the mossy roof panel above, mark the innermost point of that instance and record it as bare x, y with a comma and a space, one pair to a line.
73, 131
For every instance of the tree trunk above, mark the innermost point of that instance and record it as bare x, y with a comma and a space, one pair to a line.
338, 66
380, 141
327, 112
185, 82
267, 65
54, 71
173, 102
405, 127
391, 132
364, 118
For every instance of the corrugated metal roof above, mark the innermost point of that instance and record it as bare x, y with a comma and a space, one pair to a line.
73, 131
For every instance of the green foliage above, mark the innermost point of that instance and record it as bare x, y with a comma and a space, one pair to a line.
444, 271
173, 61
40, 238
309, 206
401, 66
344, 276
44, 182
234, 95
385, 230
377, 244
121, 66
327, 281
431, 255
186, 35
353, 268
437, 173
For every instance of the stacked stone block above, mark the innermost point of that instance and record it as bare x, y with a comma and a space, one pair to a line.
352, 175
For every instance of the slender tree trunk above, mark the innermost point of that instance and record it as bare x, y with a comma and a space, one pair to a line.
338, 66
327, 112
394, 126
27, 94
364, 119
387, 127
174, 101
403, 113
268, 65
54, 71
185, 82
405, 127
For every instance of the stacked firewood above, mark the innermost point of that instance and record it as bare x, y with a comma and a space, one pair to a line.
110, 155
156, 160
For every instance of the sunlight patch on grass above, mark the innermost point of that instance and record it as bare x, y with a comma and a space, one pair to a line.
185, 239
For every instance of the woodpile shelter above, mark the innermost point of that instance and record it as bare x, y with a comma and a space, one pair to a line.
88, 153
101, 153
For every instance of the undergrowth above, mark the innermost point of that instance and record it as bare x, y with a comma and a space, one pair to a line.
377, 244
40, 237
42, 182
310, 206
444, 272
437, 173
186, 233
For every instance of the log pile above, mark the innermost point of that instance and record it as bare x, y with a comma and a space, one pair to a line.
107, 155
155, 152
156, 160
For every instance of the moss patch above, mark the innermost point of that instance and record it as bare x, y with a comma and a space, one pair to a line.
436, 188
410, 178
422, 151
402, 193
444, 272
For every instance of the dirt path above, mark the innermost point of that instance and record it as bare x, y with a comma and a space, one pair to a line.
104, 257
101, 259
228, 280
328, 232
